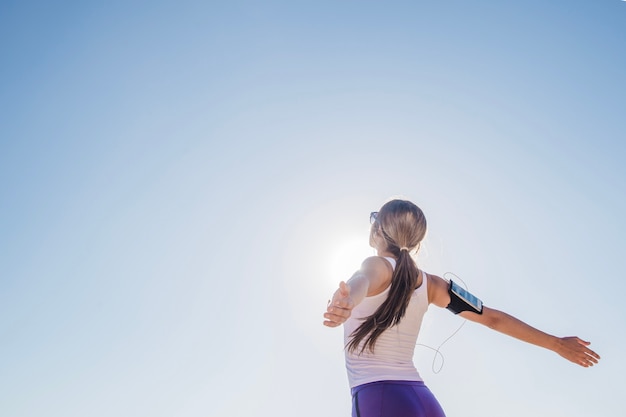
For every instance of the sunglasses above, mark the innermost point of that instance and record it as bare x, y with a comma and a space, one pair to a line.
373, 217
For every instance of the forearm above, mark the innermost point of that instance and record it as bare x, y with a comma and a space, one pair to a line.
359, 286
373, 276
511, 326
348, 295
571, 348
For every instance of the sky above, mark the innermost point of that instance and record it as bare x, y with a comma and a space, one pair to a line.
183, 185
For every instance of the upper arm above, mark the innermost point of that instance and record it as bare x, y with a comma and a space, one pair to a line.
439, 296
438, 291
377, 272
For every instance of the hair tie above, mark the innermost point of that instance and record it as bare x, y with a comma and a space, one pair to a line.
404, 248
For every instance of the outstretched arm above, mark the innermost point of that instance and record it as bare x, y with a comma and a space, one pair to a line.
572, 348
340, 306
372, 278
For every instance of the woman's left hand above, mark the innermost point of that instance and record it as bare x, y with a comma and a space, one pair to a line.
340, 307
576, 350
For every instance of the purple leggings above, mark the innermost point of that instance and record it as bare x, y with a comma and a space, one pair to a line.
394, 399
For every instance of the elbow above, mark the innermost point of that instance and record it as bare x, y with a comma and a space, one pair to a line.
492, 318
492, 323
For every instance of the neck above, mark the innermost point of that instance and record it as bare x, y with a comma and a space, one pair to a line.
385, 253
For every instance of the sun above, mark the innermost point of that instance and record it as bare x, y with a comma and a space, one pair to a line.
346, 257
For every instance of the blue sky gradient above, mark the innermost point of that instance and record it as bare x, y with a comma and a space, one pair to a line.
183, 184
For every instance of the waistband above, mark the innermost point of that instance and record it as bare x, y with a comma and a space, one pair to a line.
387, 382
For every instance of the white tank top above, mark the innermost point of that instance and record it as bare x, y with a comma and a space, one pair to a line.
393, 353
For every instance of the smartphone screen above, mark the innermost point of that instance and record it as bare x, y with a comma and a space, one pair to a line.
466, 296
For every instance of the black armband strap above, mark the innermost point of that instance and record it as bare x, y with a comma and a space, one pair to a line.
463, 300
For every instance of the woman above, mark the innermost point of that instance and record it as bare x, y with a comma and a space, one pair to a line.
382, 306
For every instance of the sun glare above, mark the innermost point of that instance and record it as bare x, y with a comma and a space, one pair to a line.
347, 256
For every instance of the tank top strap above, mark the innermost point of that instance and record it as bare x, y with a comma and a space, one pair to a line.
392, 261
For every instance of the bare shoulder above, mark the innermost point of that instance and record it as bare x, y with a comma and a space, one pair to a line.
377, 263
379, 272
438, 291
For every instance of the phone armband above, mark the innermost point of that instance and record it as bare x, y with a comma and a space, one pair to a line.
463, 300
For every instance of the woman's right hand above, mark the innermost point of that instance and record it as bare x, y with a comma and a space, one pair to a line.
340, 307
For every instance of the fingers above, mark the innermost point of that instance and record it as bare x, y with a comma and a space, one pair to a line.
345, 303
585, 360
333, 321
588, 360
337, 313
344, 288
576, 351
339, 309
591, 353
583, 342
592, 357
589, 357
342, 298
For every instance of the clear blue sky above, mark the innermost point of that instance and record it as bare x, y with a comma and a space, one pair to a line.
183, 184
